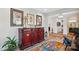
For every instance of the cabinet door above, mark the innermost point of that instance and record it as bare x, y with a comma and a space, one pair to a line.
41, 34
26, 37
34, 36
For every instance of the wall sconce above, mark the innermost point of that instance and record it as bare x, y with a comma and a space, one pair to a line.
25, 21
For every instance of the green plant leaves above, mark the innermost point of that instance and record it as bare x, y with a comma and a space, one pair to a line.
6, 43
10, 44
8, 38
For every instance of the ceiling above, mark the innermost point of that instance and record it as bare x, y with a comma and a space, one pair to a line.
49, 11
46, 10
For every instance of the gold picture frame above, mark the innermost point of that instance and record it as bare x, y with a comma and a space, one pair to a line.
38, 20
16, 17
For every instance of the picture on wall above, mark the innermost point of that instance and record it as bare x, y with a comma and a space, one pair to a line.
38, 20
30, 19
16, 17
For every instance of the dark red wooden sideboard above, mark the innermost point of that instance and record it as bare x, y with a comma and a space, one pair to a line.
30, 36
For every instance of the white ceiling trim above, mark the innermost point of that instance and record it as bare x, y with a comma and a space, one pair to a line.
46, 10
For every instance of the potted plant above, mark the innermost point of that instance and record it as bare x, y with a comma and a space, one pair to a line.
10, 44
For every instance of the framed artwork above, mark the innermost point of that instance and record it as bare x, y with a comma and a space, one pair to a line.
30, 19
38, 20
16, 17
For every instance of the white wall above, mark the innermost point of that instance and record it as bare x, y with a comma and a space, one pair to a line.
6, 30
65, 28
